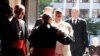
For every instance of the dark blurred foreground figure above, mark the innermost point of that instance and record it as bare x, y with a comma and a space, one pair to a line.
6, 31
44, 37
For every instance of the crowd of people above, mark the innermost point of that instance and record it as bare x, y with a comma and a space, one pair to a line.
51, 35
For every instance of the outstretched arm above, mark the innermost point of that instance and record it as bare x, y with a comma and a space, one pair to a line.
61, 37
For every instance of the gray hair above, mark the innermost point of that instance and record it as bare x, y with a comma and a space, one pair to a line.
76, 8
48, 8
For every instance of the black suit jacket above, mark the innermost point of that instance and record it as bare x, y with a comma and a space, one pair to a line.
22, 28
80, 34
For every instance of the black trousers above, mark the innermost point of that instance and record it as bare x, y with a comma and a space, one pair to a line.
77, 53
77, 49
11, 52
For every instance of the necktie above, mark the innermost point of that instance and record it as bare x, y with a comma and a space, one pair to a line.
74, 22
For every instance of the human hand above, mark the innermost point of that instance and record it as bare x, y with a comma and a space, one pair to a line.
31, 50
86, 50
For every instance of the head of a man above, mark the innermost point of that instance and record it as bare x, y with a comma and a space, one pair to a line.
19, 11
47, 18
75, 12
58, 15
48, 10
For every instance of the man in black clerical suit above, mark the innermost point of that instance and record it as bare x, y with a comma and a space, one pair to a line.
80, 46
19, 28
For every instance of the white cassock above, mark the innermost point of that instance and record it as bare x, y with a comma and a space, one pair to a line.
60, 48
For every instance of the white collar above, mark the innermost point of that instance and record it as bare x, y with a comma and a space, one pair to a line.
10, 19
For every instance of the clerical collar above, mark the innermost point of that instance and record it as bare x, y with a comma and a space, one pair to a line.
10, 19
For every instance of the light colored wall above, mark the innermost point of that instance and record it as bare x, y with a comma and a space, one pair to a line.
32, 13
12, 3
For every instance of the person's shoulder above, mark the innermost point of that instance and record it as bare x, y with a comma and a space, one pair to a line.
20, 20
54, 28
34, 29
65, 23
81, 19
13, 19
67, 19
91, 46
98, 45
39, 20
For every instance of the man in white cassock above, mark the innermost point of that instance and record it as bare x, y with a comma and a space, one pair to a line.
62, 50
